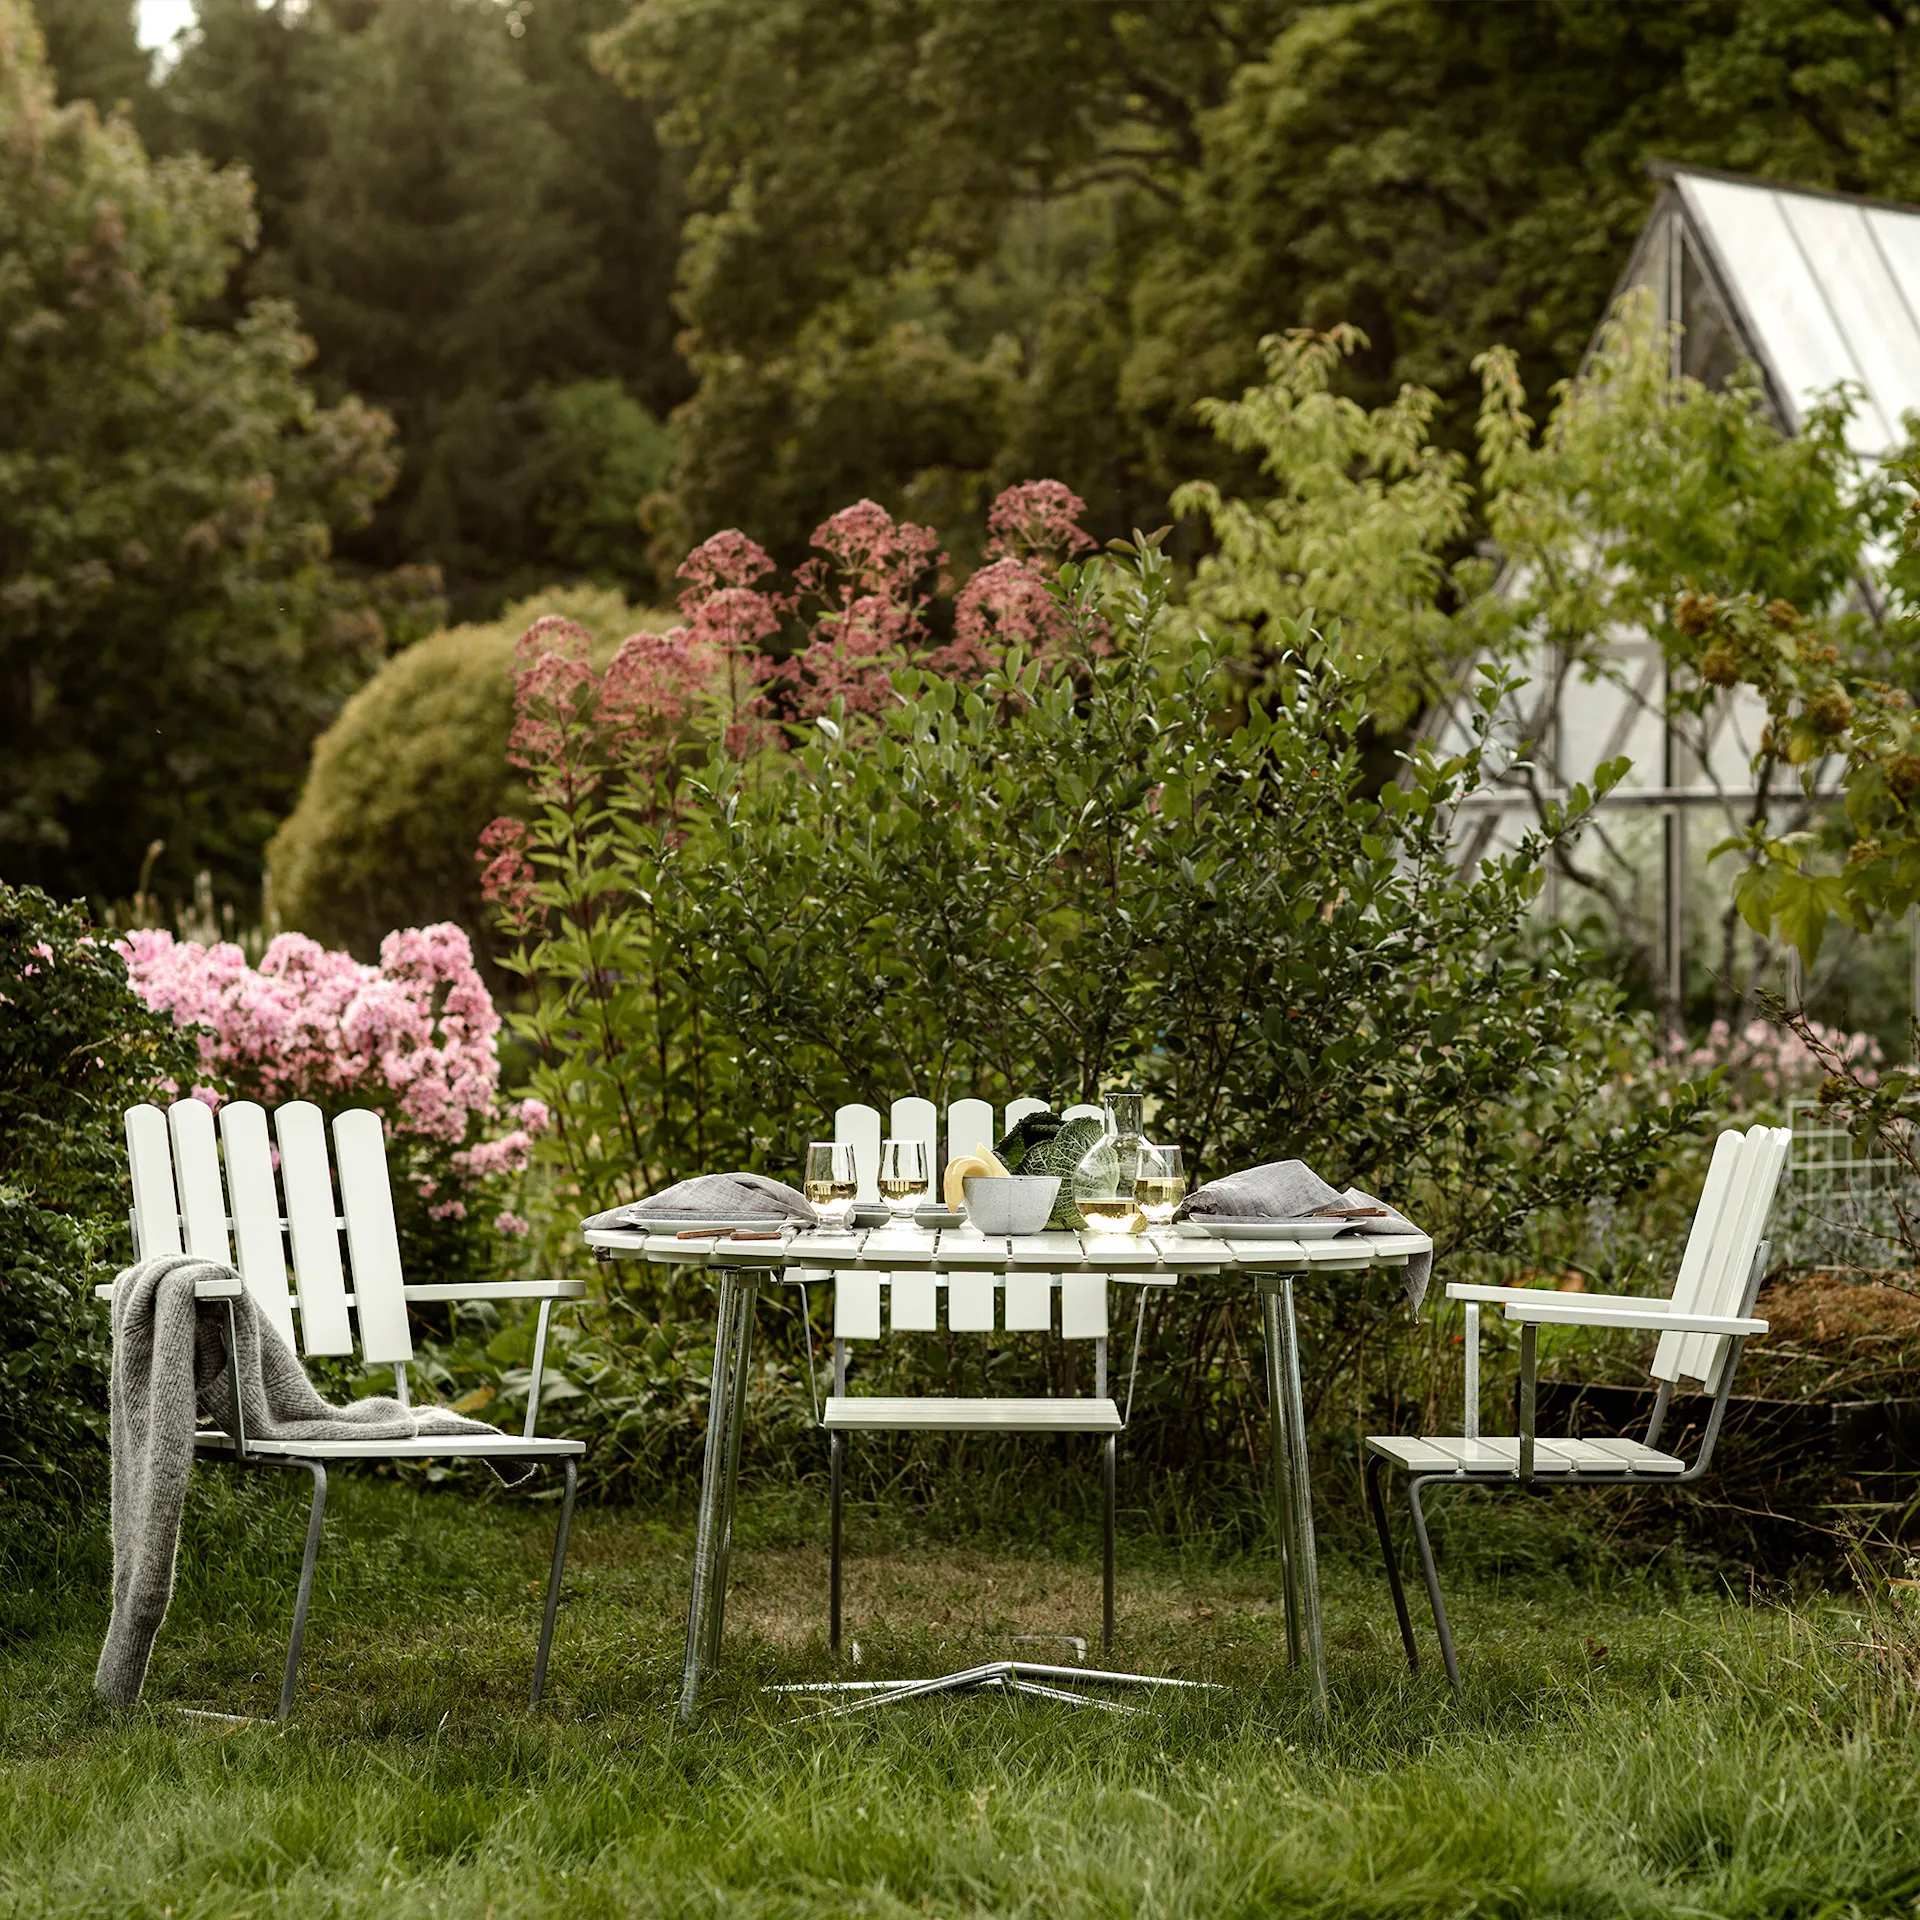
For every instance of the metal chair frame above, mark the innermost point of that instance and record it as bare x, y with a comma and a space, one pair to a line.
1503, 1476
180, 1208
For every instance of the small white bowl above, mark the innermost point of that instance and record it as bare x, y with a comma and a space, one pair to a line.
1015, 1203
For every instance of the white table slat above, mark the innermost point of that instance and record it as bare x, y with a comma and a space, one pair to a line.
1059, 1251
1266, 1253
959, 1248
1119, 1250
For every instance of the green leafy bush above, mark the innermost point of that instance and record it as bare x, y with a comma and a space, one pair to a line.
77, 1047
404, 781
1071, 875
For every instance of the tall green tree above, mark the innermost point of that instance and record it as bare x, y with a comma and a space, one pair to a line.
479, 230
942, 244
172, 634
94, 50
917, 236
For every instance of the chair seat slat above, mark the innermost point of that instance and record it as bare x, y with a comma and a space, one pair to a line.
933, 1414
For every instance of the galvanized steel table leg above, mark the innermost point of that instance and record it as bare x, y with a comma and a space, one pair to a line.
720, 1461
1293, 1488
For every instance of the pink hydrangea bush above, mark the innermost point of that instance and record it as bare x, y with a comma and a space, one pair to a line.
415, 1038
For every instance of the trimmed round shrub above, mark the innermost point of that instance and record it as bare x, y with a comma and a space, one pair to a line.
402, 783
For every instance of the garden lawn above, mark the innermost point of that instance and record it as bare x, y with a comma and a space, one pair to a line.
1622, 1750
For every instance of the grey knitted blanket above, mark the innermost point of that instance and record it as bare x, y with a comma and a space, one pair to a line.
170, 1373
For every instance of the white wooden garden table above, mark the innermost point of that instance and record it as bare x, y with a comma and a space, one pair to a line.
1158, 1258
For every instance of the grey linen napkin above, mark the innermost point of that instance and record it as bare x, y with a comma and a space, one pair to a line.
1290, 1190
749, 1198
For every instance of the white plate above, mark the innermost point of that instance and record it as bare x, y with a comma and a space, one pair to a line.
1274, 1229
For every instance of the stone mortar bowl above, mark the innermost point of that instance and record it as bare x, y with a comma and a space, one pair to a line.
1018, 1203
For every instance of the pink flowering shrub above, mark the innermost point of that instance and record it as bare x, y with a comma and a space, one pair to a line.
589, 885
1767, 1066
415, 1038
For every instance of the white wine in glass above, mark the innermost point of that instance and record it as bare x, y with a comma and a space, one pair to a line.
1160, 1184
905, 1169
1112, 1213
832, 1181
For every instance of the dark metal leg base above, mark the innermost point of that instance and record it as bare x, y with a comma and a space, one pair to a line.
1376, 1466
553, 1584
1432, 1575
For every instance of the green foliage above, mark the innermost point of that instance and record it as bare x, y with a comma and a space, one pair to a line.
94, 52
77, 1047
1070, 876
1645, 504
944, 243
404, 781
171, 633
609, 455
1367, 512
478, 232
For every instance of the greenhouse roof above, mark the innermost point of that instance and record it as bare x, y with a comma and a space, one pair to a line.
1819, 288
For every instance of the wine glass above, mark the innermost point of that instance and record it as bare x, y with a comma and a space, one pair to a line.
1160, 1184
832, 1180
905, 1170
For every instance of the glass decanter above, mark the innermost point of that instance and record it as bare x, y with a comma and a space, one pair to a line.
1104, 1180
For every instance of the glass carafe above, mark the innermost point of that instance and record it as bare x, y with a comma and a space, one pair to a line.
1103, 1183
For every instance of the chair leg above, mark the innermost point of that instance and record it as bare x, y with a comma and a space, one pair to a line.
1108, 1453
553, 1584
1432, 1574
1377, 1501
303, 1595
836, 1455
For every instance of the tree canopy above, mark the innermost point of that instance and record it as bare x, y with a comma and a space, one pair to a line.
172, 635
939, 245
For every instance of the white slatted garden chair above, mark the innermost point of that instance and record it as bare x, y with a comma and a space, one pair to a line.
1023, 1302
182, 1204
1702, 1327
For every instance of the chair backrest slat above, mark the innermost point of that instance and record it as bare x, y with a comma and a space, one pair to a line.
304, 1176
917, 1119
969, 1125
256, 1212
1017, 1110
156, 1208
373, 1239
1729, 1155
196, 1174
1732, 1216
1725, 1291
1084, 1112
858, 1126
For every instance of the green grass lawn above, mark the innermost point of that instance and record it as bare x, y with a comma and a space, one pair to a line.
1624, 1748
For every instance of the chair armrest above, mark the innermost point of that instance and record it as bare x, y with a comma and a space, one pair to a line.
1501, 1296
501, 1290
202, 1289
1570, 1310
